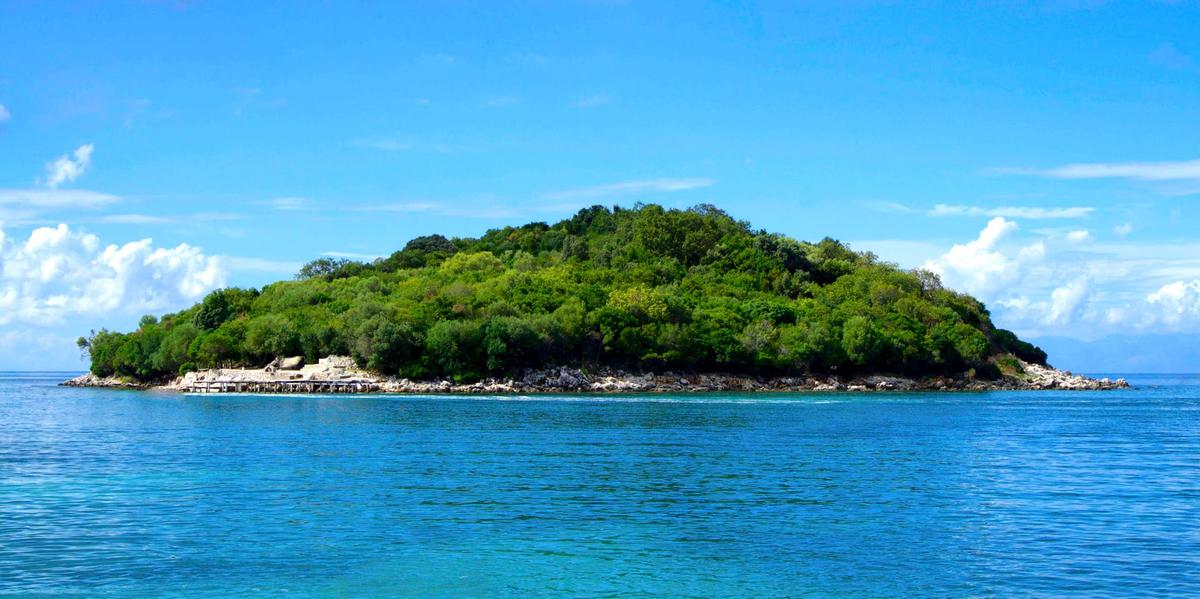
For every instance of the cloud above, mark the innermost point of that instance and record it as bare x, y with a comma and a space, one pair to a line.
1079, 236
66, 169
5, 115
133, 219
890, 207
1029, 212
57, 273
1177, 304
490, 210
387, 145
625, 188
1170, 57
594, 101
501, 101
290, 204
415, 207
242, 263
351, 256
1145, 171
159, 219
243, 98
1123, 229
978, 266
56, 199
1054, 284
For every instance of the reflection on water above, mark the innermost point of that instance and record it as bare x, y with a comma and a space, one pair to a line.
1047, 493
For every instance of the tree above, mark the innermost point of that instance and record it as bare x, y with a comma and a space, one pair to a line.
388, 347
271, 335
214, 311
647, 287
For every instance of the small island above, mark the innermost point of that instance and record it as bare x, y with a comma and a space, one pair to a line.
645, 299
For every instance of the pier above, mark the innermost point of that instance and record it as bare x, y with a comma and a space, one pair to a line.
283, 386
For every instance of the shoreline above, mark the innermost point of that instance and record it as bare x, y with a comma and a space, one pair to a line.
339, 375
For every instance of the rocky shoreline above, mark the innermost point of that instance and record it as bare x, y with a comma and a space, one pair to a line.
338, 370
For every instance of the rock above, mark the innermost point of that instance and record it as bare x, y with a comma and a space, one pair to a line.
109, 382
293, 363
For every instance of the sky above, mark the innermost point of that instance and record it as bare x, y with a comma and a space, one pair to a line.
1043, 156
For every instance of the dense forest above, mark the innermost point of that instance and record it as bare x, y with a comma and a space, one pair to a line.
643, 288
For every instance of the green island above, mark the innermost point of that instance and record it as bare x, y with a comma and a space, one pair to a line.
643, 288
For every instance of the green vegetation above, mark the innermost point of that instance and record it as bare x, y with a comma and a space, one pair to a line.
644, 288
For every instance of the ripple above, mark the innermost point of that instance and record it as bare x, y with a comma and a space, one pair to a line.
122, 493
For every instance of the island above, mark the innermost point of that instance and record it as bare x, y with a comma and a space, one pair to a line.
641, 299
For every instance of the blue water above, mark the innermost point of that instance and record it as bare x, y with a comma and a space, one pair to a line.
125, 493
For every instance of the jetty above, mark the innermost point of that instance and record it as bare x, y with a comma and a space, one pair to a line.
334, 374
281, 386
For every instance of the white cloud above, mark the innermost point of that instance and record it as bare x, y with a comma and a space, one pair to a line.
1177, 304
58, 273
133, 219
1123, 229
5, 115
291, 204
352, 255
1066, 301
625, 188
978, 266
1029, 212
473, 210
1146, 171
47, 199
242, 263
890, 207
1053, 284
1079, 236
66, 169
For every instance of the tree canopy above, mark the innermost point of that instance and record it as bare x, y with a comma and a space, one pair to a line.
643, 288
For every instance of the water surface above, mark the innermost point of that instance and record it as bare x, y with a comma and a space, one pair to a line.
1006, 493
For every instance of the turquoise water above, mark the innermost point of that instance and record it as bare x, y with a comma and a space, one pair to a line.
1034, 493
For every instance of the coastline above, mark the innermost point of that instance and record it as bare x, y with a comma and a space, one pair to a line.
338, 374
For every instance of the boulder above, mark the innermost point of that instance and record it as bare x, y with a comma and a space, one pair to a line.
292, 363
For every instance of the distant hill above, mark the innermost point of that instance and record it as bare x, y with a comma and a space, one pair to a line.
1172, 353
644, 288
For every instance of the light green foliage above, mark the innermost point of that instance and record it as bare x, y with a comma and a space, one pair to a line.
636, 288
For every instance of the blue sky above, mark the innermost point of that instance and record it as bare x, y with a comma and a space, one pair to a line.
1042, 156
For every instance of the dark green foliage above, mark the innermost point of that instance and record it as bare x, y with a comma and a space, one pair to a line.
213, 312
642, 288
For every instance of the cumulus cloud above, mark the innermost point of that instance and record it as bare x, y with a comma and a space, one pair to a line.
57, 273
67, 168
1177, 304
1123, 229
1079, 236
978, 266
1056, 284
5, 115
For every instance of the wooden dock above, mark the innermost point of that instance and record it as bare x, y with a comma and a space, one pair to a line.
284, 386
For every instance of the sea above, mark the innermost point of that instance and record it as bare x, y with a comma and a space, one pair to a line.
108, 493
